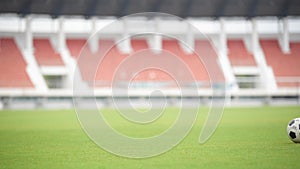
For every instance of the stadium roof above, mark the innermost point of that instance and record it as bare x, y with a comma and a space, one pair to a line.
181, 8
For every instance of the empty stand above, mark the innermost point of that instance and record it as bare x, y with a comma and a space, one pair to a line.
284, 65
12, 66
108, 58
111, 58
75, 46
209, 58
139, 44
191, 60
141, 50
238, 54
96, 66
45, 54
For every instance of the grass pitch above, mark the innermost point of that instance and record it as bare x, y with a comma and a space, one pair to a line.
245, 138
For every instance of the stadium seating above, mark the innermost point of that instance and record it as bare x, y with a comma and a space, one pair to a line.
284, 65
92, 65
139, 44
238, 54
210, 59
12, 66
113, 58
45, 54
191, 60
75, 46
150, 74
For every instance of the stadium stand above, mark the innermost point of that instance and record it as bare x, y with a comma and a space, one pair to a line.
148, 75
45, 53
284, 65
210, 58
238, 54
111, 57
88, 59
75, 46
139, 44
192, 60
114, 57
43, 58
12, 66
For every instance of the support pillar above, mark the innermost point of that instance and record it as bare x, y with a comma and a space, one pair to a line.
284, 37
93, 41
125, 43
254, 37
28, 34
223, 37
155, 41
61, 35
189, 39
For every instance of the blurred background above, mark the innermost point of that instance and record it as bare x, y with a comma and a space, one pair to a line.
255, 44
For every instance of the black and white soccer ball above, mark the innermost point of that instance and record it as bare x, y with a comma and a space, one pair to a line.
293, 130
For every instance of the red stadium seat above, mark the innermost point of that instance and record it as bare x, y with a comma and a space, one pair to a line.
12, 66
75, 46
45, 54
113, 58
238, 54
284, 65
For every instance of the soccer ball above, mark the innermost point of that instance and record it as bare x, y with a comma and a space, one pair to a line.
293, 130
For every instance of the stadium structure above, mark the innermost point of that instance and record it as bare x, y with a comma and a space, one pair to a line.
257, 45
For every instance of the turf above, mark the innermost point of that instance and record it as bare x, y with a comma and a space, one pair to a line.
245, 138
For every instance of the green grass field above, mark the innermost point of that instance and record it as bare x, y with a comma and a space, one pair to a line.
245, 138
